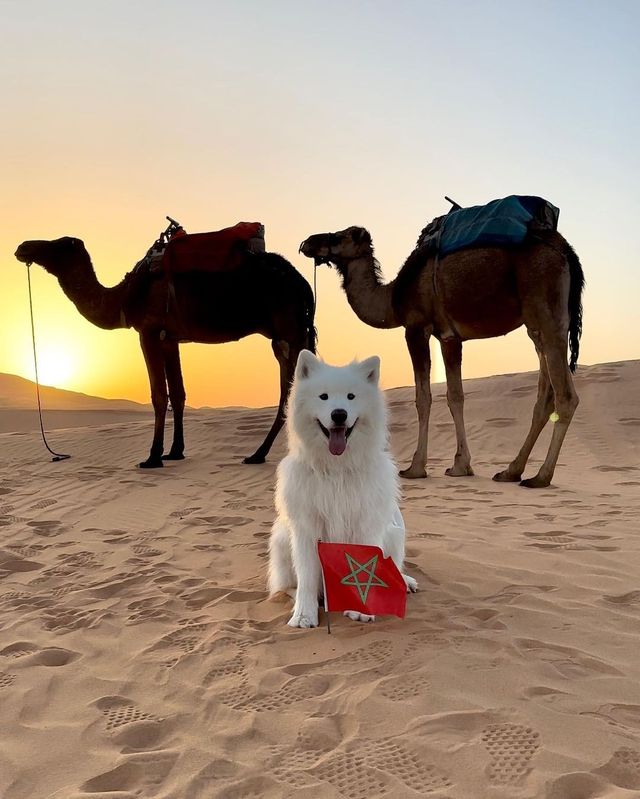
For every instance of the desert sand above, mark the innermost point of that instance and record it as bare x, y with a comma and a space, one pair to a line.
140, 656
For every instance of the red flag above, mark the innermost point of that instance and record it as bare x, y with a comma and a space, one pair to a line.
358, 577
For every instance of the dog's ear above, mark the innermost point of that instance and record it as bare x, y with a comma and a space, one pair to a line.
370, 369
307, 363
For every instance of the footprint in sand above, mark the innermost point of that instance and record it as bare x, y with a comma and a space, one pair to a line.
18, 650
80, 559
149, 609
44, 503
234, 666
400, 689
6, 679
510, 592
350, 775
399, 761
139, 775
120, 711
186, 639
558, 539
179, 514
146, 551
30, 551
421, 643
63, 620
228, 655
623, 769
511, 747
46, 529
567, 661
372, 656
289, 766
292, 692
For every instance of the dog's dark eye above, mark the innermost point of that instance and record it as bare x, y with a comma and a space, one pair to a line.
351, 396
324, 396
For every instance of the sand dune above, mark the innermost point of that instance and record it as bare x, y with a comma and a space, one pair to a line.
139, 656
17, 393
60, 408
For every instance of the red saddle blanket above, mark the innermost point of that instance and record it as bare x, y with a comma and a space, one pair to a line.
221, 251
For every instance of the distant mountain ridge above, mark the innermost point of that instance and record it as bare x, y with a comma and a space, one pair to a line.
18, 393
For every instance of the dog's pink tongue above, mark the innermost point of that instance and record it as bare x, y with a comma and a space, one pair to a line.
337, 440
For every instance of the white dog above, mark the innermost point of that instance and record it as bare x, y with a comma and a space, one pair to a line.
338, 483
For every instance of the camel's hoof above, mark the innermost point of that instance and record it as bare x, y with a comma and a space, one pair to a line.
507, 477
413, 474
460, 471
173, 456
254, 459
535, 482
152, 463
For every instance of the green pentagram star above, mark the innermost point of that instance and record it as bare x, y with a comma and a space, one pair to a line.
369, 569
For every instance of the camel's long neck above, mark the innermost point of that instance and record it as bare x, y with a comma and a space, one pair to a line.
103, 307
369, 298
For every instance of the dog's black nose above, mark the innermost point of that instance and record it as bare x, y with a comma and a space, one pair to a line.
339, 416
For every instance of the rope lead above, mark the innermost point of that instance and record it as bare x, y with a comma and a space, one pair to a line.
56, 455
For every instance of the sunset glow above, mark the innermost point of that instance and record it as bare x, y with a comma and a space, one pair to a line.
273, 112
56, 366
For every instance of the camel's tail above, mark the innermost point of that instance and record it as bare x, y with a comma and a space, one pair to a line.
575, 304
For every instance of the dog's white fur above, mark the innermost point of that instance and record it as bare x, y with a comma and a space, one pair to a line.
352, 497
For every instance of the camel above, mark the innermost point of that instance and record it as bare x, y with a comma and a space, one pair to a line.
473, 293
265, 295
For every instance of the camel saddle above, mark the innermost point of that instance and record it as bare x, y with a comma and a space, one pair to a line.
499, 223
219, 251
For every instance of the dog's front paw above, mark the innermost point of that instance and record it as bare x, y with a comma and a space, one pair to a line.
412, 585
304, 619
354, 615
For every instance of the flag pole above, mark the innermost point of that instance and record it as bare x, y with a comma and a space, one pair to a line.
325, 600
326, 603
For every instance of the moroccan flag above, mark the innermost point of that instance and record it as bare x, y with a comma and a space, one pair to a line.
358, 577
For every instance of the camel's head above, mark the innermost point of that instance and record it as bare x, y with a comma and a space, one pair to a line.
336, 248
55, 256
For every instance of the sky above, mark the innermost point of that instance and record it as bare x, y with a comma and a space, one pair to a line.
308, 117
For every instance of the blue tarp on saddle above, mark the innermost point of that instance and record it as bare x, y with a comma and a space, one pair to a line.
498, 223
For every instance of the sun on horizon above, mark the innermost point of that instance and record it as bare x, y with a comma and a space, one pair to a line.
57, 365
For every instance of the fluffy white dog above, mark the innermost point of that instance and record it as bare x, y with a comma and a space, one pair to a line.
337, 484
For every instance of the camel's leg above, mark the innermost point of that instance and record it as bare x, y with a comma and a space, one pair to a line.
177, 396
154, 359
452, 356
541, 411
566, 401
417, 339
287, 357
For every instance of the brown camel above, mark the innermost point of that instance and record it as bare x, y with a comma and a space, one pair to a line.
470, 294
265, 295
